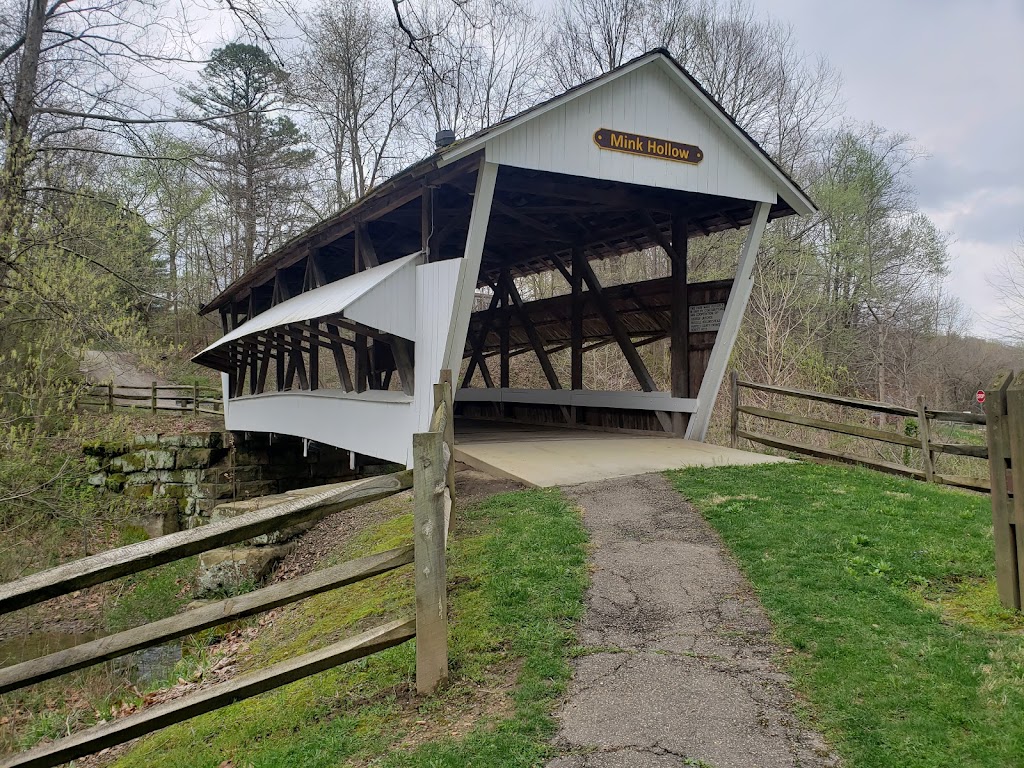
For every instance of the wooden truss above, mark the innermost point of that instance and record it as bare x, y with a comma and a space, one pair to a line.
506, 223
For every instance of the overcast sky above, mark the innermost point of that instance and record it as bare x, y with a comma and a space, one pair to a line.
951, 74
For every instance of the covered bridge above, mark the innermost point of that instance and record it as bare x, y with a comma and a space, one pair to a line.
340, 334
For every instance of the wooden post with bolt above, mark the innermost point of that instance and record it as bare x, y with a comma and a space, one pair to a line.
431, 594
924, 431
433, 482
734, 415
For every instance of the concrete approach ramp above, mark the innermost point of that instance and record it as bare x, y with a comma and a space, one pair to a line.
544, 457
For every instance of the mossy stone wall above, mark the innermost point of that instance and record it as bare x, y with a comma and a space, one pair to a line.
184, 476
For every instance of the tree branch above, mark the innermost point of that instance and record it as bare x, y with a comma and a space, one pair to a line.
137, 121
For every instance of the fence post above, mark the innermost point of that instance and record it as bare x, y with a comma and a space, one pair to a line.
925, 433
734, 416
195, 398
1015, 434
429, 485
110, 397
444, 394
153, 398
1005, 467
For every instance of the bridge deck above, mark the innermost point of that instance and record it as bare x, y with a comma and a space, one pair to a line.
552, 456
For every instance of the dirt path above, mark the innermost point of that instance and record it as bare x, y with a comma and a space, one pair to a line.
682, 671
101, 367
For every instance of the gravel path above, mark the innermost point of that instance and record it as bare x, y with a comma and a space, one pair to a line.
682, 670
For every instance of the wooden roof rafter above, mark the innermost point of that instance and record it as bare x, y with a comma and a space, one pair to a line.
606, 219
401, 189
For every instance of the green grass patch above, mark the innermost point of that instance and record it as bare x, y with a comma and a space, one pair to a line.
152, 595
970, 434
853, 567
516, 573
974, 602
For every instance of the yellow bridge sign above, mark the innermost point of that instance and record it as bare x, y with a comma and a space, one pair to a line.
648, 146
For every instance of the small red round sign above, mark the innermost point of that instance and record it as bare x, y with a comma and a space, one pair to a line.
980, 396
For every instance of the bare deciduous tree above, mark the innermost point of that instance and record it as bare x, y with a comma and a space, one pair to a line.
1008, 282
83, 76
749, 63
357, 85
481, 62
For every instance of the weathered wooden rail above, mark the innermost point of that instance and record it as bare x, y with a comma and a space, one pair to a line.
187, 398
924, 441
1004, 407
432, 481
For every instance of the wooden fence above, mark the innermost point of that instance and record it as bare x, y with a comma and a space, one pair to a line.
1004, 407
925, 441
171, 397
432, 481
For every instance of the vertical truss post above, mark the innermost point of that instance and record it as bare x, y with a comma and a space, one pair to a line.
697, 429
427, 223
504, 344
680, 342
576, 326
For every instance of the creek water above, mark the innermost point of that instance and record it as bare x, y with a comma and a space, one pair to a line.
141, 668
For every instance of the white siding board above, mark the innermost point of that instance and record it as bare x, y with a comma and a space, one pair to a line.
641, 401
735, 307
388, 306
418, 304
646, 101
469, 274
373, 426
326, 300
436, 288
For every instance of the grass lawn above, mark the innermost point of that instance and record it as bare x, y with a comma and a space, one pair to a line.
516, 574
883, 590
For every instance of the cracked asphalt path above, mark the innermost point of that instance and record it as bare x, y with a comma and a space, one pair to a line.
681, 672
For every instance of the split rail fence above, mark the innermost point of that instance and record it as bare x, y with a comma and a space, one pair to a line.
926, 440
432, 481
170, 397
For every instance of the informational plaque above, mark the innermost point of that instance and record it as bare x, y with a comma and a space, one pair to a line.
648, 146
706, 318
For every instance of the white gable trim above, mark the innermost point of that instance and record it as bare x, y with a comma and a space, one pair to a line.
787, 190
462, 149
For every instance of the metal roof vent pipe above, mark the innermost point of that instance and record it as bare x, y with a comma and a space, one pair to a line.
444, 138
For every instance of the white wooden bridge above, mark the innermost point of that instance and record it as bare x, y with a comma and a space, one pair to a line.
338, 336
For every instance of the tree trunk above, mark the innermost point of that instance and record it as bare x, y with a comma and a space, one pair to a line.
249, 234
881, 362
172, 271
12, 183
